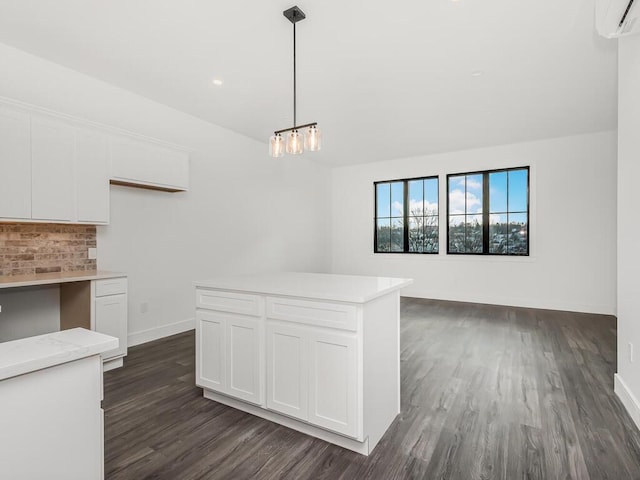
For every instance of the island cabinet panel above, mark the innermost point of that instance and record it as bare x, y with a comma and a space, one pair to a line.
244, 358
287, 370
311, 312
333, 382
230, 346
312, 375
15, 164
229, 302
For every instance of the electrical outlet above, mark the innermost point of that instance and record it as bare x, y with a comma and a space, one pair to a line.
144, 307
630, 352
92, 253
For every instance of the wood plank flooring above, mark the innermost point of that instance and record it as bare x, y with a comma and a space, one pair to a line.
487, 393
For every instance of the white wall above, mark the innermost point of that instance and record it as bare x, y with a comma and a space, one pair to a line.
244, 212
628, 377
29, 311
573, 226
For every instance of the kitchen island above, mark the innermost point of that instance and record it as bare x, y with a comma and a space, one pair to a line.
51, 420
318, 353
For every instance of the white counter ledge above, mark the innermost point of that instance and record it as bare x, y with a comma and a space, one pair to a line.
27, 355
322, 286
54, 278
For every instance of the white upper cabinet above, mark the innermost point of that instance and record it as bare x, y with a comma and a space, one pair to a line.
145, 164
52, 170
56, 168
92, 177
15, 164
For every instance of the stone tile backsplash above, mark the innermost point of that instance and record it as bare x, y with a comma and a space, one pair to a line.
28, 248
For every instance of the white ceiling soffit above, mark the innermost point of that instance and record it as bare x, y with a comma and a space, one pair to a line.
383, 79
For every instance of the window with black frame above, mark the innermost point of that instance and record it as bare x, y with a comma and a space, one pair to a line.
488, 212
406, 216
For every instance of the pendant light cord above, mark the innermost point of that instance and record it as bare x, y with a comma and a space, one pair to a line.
294, 70
294, 14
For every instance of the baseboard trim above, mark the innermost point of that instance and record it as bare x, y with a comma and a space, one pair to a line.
144, 336
512, 302
628, 399
344, 442
113, 363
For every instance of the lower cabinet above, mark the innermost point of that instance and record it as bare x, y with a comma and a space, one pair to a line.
312, 375
229, 355
333, 381
110, 311
287, 370
294, 357
210, 351
100, 305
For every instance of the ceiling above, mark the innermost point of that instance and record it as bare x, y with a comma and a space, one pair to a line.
383, 79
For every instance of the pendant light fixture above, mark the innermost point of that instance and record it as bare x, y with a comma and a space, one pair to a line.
299, 137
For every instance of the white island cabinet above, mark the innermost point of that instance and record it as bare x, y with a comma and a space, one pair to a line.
51, 420
318, 353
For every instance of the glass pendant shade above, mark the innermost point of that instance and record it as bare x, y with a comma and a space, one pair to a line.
276, 146
295, 142
313, 139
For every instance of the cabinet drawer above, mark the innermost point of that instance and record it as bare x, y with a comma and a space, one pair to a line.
229, 302
111, 286
321, 314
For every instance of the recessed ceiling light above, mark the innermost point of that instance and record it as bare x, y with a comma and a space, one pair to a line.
217, 82
478, 73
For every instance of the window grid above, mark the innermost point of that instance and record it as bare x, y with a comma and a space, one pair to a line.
514, 238
423, 240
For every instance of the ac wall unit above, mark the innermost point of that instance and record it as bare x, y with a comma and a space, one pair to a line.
615, 18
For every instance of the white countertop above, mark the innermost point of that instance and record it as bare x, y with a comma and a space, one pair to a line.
341, 288
35, 353
58, 277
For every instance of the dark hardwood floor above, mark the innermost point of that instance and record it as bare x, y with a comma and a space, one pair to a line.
487, 393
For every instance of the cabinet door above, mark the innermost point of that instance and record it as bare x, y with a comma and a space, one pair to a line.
144, 163
52, 173
92, 177
333, 381
15, 165
287, 369
210, 351
111, 319
244, 365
